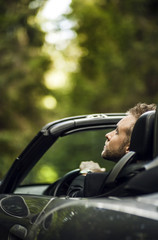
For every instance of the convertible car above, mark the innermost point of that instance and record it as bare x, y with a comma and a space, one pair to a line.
34, 202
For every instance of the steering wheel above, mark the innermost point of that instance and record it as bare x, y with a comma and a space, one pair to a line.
60, 187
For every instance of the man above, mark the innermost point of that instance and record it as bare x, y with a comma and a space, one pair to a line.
116, 146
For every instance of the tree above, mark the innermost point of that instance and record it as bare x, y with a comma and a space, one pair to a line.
22, 67
118, 64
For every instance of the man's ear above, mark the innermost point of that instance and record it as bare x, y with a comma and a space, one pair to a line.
127, 148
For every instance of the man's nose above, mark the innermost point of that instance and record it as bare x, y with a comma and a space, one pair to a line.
109, 135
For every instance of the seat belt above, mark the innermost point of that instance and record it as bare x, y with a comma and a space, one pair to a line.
119, 166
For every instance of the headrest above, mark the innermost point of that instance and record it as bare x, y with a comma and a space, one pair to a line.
142, 136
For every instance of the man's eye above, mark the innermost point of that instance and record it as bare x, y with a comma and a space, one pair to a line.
116, 131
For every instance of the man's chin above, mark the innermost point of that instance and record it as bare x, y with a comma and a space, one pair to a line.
109, 156
103, 154
106, 153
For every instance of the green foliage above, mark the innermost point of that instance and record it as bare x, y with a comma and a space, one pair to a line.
118, 65
22, 68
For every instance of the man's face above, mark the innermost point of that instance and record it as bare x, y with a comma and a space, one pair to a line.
117, 141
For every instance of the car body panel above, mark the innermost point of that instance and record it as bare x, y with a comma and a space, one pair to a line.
35, 217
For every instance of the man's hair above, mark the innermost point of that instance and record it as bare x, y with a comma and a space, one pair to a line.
136, 112
141, 108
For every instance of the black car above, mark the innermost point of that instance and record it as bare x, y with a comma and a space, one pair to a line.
36, 206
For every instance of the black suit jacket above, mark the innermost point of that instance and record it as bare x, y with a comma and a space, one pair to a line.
88, 186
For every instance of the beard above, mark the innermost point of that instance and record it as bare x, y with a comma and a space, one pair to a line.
114, 155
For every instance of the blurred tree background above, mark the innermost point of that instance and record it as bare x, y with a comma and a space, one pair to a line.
22, 67
119, 54
110, 61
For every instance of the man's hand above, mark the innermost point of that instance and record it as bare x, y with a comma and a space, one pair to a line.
90, 166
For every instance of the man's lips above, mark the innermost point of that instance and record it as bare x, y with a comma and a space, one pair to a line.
105, 145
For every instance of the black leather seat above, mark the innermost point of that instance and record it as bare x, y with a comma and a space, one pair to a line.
141, 145
143, 136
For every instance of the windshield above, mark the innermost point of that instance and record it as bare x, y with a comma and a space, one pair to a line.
67, 153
